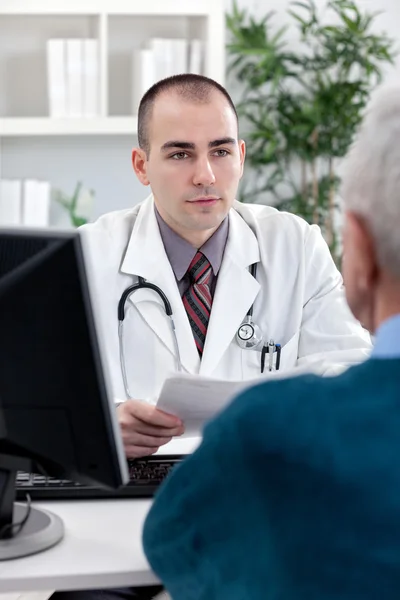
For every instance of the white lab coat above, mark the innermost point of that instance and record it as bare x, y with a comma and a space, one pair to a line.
298, 299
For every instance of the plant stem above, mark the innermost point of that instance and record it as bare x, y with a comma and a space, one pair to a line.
315, 186
304, 189
331, 209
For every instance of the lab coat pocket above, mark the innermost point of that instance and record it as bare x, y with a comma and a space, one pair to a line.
251, 360
290, 353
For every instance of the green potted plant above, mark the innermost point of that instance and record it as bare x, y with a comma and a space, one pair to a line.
300, 110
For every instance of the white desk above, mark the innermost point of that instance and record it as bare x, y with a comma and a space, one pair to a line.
101, 548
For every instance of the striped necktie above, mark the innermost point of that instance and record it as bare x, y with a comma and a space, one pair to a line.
197, 298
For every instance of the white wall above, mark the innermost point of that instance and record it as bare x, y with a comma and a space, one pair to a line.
109, 171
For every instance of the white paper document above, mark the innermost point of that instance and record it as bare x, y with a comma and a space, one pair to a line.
196, 399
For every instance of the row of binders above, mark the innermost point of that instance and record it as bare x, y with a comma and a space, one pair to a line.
73, 72
73, 78
24, 202
163, 57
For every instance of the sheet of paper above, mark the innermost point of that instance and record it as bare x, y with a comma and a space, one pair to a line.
196, 399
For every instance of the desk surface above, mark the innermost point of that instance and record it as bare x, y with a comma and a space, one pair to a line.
102, 546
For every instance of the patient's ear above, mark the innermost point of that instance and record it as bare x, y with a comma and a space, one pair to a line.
359, 247
360, 267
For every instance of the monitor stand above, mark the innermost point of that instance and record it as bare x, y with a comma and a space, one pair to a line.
41, 529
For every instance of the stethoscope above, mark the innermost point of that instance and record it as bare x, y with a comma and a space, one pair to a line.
248, 336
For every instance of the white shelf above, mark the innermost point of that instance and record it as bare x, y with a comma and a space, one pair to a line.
96, 7
121, 27
13, 127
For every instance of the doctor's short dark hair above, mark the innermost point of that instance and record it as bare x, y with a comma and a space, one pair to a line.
190, 86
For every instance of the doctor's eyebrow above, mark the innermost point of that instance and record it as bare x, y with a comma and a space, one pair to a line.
190, 146
222, 142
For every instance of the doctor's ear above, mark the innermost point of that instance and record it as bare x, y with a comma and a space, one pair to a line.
139, 163
242, 153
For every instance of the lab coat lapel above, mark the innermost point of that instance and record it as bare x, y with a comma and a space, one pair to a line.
235, 292
146, 257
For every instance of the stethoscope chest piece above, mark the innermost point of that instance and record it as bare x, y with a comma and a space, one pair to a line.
249, 335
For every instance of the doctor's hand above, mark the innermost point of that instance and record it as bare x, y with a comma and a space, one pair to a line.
145, 428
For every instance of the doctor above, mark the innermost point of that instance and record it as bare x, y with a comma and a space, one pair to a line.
193, 241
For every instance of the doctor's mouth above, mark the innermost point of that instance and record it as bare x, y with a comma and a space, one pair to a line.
205, 200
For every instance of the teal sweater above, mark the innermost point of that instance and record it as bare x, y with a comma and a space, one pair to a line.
293, 494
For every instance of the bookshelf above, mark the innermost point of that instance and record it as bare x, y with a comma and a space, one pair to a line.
119, 27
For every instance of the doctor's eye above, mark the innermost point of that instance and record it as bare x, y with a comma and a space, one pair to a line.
179, 155
221, 152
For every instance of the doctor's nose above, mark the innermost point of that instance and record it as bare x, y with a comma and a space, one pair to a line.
203, 175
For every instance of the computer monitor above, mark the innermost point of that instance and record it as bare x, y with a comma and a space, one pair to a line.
57, 416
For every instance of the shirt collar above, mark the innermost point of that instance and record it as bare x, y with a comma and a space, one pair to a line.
387, 339
180, 253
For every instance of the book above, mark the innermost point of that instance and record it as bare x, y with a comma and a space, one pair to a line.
74, 77
56, 78
35, 203
90, 74
10, 203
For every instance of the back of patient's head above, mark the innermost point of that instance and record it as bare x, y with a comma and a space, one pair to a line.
371, 193
371, 185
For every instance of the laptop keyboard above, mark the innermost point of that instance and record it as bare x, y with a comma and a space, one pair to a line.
145, 476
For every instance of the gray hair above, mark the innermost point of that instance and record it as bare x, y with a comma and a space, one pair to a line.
371, 183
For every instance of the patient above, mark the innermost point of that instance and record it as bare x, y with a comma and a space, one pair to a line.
294, 492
